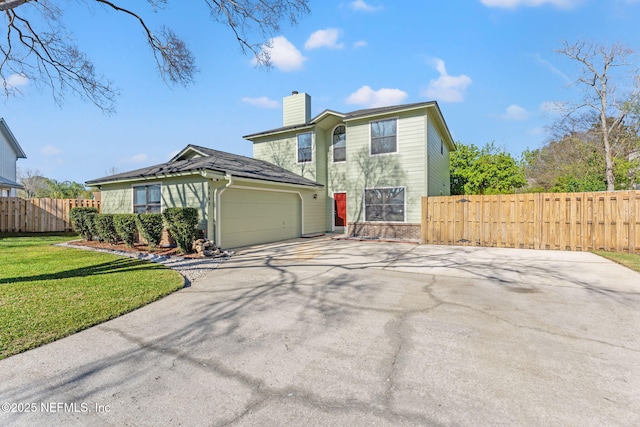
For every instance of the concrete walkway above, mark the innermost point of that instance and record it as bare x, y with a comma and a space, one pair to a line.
355, 333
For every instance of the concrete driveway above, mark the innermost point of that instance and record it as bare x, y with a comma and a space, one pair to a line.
355, 333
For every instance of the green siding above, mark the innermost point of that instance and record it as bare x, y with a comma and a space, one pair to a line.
438, 164
418, 165
406, 168
176, 192
116, 198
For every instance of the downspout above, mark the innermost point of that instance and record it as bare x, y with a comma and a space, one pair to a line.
218, 214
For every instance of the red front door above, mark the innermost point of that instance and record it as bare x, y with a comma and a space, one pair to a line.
340, 209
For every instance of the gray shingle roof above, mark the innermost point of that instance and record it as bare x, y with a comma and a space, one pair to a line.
350, 115
214, 160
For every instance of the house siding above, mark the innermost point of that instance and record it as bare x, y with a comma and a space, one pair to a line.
176, 192
418, 166
8, 159
406, 168
438, 163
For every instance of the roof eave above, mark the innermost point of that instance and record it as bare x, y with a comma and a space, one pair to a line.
279, 131
97, 182
12, 139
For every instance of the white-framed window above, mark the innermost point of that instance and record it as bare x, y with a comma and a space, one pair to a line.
305, 147
147, 198
385, 204
339, 144
384, 136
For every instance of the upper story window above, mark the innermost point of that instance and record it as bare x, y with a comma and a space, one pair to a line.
305, 152
147, 198
340, 144
384, 136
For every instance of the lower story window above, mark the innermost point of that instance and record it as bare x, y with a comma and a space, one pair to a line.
384, 204
147, 198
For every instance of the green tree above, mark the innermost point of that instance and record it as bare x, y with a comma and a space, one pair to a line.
575, 161
38, 46
63, 190
486, 170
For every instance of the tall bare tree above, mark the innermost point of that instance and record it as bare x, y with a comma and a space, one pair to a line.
37, 45
607, 92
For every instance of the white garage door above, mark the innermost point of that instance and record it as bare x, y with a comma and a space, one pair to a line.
250, 217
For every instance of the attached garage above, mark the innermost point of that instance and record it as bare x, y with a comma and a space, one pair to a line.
251, 216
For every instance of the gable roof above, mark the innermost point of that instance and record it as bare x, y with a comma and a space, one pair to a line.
359, 114
4, 128
211, 160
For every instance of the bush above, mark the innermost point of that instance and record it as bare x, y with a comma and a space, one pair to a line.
126, 228
183, 226
105, 228
83, 221
150, 226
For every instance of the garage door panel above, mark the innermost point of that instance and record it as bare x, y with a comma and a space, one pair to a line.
252, 217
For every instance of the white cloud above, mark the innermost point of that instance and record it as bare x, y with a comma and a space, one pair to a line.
17, 80
515, 112
360, 43
50, 150
447, 88
367, 97
362, 6
283, 54
262, 101
512, 4
136, 158
324, 38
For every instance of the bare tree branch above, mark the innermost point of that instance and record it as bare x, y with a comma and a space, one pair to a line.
48, 56
598, 63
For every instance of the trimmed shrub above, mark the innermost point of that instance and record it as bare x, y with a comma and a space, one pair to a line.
105, 228
126, 228
151, 226
83, 221
183, 226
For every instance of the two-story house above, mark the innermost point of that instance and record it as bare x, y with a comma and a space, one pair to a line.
361, 173
375, 164
10, 152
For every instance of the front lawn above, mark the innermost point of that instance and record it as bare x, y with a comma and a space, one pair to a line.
48, 292
628, 260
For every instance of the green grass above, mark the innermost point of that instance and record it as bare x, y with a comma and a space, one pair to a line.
628, 260
48, 292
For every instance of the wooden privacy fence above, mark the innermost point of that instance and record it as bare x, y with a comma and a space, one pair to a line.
38, 215
563, 221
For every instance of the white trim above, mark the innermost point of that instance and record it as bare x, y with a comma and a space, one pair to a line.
298, 147
345, 143
364, 205
145, 184
397, 119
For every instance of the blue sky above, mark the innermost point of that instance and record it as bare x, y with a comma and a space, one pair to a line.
491, 65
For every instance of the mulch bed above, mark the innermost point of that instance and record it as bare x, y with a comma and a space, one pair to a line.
137, 248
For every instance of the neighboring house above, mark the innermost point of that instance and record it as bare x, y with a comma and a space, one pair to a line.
375, 164
10, 152
362, 172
